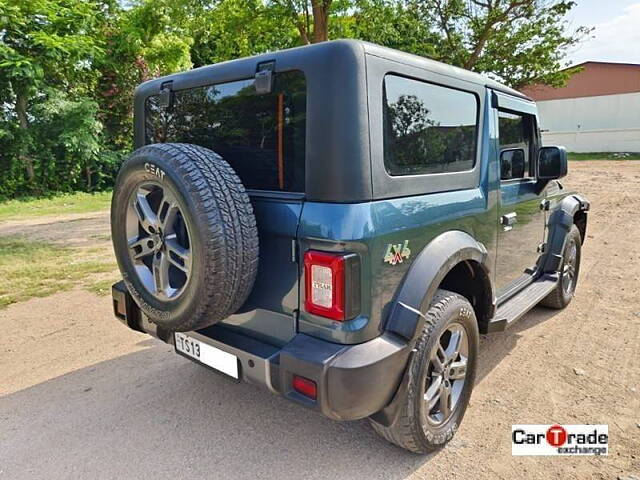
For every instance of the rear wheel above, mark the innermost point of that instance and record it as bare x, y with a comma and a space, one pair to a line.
441, 374
562, 295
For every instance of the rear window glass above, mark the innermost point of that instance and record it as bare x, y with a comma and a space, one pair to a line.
261, 136
428, 128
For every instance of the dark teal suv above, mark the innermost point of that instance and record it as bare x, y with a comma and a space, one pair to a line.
338, 223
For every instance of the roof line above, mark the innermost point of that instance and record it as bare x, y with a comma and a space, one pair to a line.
603, 63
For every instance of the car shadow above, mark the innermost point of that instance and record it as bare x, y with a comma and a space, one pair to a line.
153, 414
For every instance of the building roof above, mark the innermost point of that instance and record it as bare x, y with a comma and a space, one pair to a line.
596, 78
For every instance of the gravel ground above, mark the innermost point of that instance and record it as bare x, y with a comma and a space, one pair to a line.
82, 396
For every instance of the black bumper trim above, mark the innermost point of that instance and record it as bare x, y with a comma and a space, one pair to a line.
354, 381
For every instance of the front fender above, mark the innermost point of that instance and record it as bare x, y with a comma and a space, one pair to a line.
425, 275
559, 224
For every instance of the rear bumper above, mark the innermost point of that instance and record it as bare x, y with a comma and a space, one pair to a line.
353, 381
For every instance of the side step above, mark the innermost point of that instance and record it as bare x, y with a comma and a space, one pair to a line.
514, 308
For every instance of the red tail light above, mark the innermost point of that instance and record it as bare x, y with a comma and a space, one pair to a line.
324, 284
305, 387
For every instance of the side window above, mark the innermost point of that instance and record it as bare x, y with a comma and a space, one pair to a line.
517, 133
428, 128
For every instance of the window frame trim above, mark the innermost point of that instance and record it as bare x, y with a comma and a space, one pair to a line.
446, 87
534, 146
386, 186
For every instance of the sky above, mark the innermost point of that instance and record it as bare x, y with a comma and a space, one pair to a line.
617, 31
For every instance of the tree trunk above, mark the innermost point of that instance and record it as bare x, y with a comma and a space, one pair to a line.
320, 20
88, 172
23, 121
475, 54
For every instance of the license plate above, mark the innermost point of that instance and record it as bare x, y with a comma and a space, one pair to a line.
207, 354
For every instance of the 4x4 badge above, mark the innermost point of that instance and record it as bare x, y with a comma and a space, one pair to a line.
396, 252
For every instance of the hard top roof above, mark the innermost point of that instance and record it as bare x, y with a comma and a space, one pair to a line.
357, 47
434, 66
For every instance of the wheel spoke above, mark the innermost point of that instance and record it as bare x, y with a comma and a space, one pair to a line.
178, 256
438, 359
167, 213
453, 349
161, 273
432, 395
458, 370
146, 215
444, 403
141, 247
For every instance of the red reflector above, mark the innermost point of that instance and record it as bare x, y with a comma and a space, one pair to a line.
305, 386
324, 284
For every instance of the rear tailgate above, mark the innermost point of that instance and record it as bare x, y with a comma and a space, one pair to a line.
269, 313
262, 136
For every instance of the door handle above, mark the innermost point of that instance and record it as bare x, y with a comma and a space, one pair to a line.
509, 219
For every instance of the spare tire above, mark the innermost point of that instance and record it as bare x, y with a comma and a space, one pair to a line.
184, 235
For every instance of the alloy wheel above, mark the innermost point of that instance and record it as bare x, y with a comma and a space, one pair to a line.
569, 268
446, 374
158, 240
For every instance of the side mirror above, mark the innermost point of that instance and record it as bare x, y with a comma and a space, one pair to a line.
552, 163
512, 163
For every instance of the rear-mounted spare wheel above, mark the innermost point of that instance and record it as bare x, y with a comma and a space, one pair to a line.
184, 235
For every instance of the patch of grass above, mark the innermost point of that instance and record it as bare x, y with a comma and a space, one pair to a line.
60, 204
101, 236
603, 156
102, 287
31, 269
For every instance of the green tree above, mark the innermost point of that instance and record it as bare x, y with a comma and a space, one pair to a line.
44, 42
70, 147
239, 28
517, 41
149, 39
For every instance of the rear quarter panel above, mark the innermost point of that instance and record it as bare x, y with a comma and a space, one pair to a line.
368, 229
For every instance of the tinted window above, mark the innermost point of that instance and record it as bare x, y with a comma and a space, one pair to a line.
512, 164
428, 128
261, 136
516, 131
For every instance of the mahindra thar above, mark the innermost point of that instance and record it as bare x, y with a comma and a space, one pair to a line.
338, 223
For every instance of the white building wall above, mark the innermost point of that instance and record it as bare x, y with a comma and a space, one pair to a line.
608, 123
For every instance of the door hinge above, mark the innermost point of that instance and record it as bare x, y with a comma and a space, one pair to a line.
294, 251
263, 80
542, 248
544, 205
165, 96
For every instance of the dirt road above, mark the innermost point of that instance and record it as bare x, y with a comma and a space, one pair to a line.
83, 397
